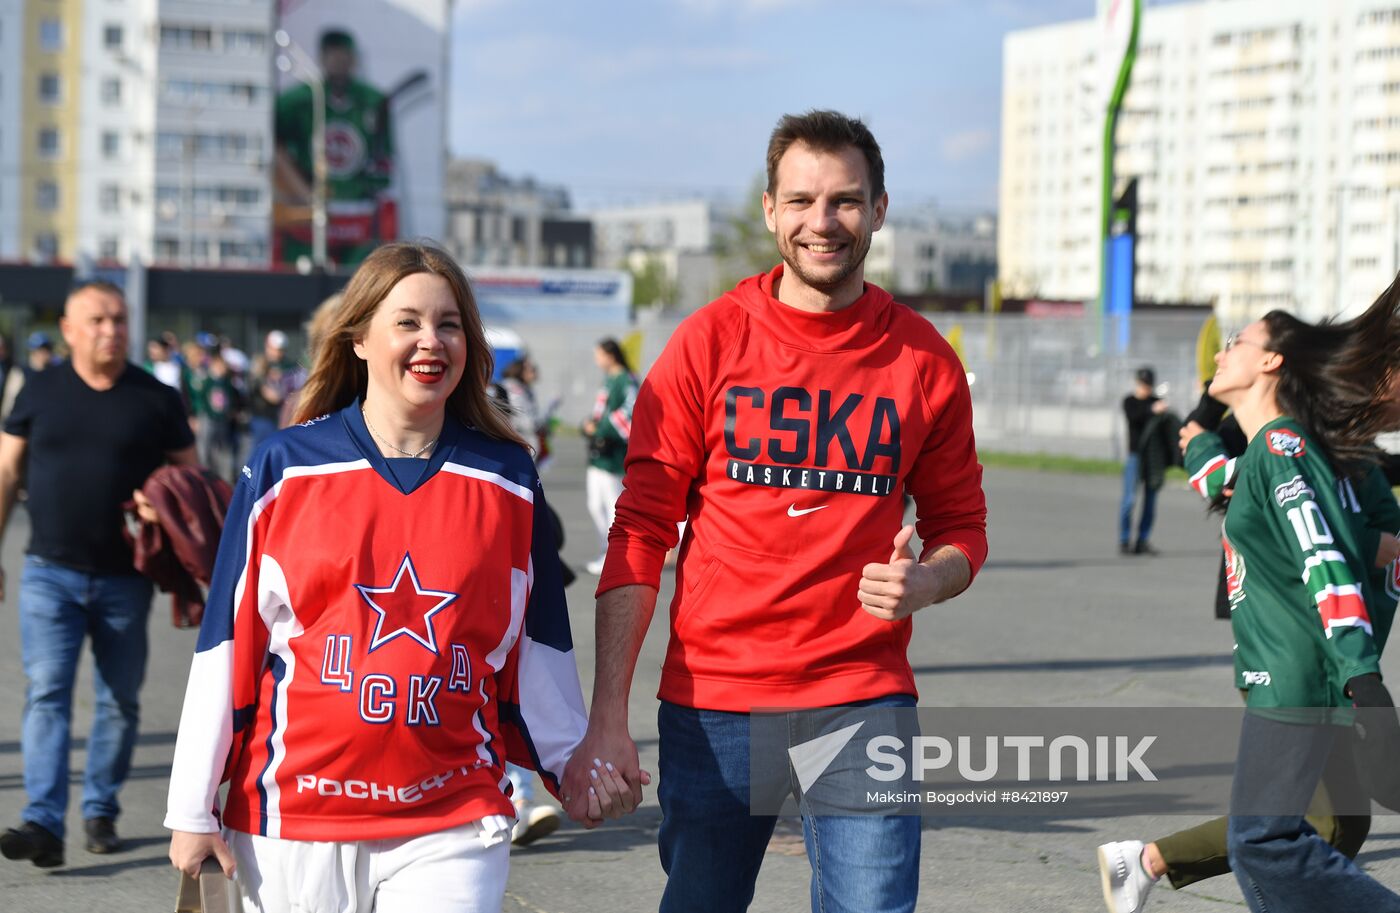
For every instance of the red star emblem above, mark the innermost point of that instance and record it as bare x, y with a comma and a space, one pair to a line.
405, 607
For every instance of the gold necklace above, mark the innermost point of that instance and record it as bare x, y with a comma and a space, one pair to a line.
379, 437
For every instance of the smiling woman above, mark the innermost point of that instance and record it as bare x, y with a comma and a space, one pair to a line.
386, 626
407, 303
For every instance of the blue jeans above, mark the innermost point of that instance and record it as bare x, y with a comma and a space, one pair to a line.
712, 845
1281, 863
58, 606
1132, 480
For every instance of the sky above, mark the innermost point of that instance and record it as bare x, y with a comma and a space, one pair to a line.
640, 100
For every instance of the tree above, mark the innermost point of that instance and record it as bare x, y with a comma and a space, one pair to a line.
746, 247
651, 285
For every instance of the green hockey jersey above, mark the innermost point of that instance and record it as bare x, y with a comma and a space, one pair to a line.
612, 416
1306, 609
359, 142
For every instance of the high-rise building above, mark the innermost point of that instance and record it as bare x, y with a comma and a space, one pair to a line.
11, 87
136, 128
1264, 138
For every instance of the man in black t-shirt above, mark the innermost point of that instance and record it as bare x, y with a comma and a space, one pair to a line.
1138, 408
88, 433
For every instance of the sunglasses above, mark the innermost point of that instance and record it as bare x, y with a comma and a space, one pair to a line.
1235, 339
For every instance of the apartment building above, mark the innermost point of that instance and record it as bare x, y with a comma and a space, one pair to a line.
1263, 137
136, 128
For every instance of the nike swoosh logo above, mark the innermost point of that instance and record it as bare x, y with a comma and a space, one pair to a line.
794, 512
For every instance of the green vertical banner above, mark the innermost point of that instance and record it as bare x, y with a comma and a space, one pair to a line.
1119, 22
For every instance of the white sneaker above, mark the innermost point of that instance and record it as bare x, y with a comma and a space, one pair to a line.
595, 567
1126, 883
533, 822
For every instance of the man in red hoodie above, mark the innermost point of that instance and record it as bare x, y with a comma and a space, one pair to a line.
786, 420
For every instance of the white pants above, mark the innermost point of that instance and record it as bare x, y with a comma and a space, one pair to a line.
603, 490
451, 871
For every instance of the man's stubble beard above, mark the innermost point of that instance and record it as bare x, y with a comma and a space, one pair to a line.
830, 283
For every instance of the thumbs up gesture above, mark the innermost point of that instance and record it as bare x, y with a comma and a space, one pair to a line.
900, 587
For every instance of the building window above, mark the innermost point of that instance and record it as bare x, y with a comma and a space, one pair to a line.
111, 91
111, 144
108, 248
50, 144
50, 88
186, 39
46, 246
50, 34
46, 196
167, 249
109, 198
112, 37
239, 42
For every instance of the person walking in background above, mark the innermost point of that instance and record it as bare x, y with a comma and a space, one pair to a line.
88, 433
273, 378
531, 422
214, 404
607, 430
160, 361
41, 354
1138, 407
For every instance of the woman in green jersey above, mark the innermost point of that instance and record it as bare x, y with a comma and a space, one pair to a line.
1311, 400
607, 431
1129, 868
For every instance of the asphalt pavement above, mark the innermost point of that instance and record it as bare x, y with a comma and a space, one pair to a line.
1056, 619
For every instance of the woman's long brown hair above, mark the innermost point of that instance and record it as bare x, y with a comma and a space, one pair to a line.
338, 376
1336, 378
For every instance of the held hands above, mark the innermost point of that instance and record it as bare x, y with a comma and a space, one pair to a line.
900, 588
188, 850
593, 789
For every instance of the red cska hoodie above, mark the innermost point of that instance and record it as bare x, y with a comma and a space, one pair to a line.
787, 438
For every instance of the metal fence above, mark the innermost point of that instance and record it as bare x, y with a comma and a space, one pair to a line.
1056, 385
1046, 385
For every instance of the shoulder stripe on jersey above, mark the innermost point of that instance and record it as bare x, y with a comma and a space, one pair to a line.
1198, 481
1342, 606
520, 491
283, 625
266, 777
1318, 559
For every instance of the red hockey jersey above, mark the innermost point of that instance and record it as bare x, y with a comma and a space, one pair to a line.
789, 438
371, 656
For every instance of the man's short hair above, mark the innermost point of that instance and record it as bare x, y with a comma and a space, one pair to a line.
337, 38
826, 131
99, 285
